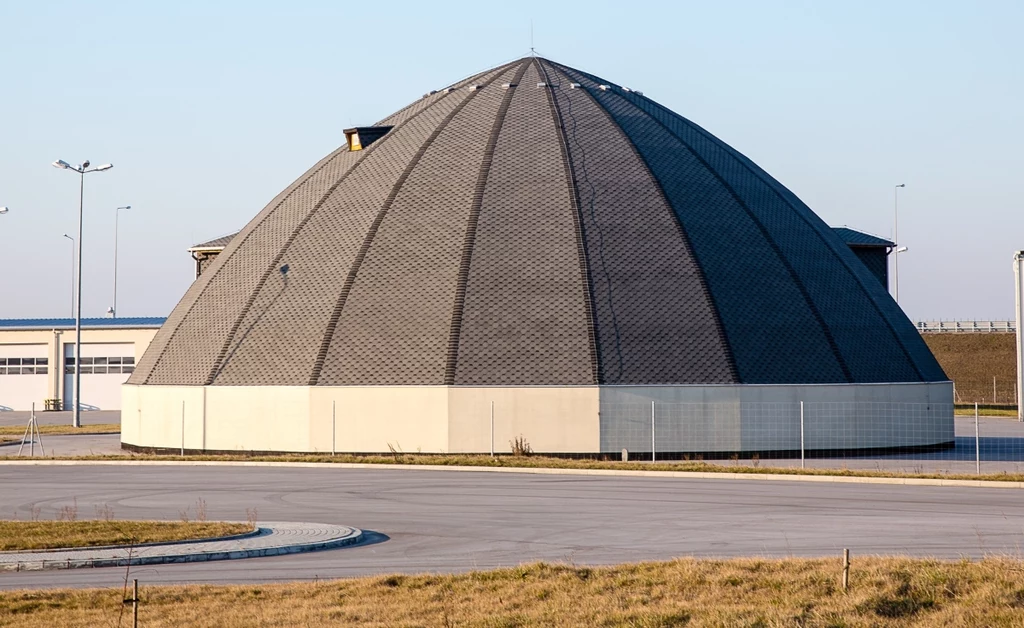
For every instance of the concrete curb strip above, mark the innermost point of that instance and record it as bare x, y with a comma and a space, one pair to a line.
274, 539
209, 539
692, 475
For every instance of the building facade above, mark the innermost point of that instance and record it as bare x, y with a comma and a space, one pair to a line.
37, 360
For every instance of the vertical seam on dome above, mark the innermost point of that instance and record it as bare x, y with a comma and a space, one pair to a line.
764, 232
223, 357
719, 326
350, 279
743, 162
239, 242
468, 243
581, 245
295, 186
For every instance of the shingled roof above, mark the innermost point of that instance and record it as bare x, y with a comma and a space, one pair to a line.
852, 237
536, 225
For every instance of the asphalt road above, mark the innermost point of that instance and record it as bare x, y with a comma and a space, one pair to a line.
435, 521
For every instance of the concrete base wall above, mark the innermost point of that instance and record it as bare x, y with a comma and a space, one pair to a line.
564, 420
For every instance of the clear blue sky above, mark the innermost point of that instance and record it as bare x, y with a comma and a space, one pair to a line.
209, 109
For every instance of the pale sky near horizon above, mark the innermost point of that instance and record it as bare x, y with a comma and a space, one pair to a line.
209, 109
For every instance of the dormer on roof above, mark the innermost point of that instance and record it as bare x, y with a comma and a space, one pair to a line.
360, 137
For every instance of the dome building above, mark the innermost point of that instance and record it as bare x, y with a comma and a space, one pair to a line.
540, 246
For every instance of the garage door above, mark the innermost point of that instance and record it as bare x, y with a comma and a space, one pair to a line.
23, 376
104, 368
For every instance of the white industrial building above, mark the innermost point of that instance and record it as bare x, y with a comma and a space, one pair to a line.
37, 360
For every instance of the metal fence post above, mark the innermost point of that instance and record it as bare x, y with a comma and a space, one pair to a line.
977, 441
653, 447
492, 429
334, 427
801, 434
183, 427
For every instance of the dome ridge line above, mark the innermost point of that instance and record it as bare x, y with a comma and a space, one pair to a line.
815, 312
705, 287
469, 241
208, 277
581, 244
223, 356
774, 186
364, 249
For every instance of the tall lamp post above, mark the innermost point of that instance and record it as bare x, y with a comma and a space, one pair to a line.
113, 308
896, 237
72, 273
82, 170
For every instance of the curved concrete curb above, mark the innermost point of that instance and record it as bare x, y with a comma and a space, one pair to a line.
692, 475
273, 539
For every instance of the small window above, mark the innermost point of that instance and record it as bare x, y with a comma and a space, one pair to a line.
128, 360
127, 369
41, 370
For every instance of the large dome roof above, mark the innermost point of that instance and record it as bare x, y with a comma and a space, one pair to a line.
536, 225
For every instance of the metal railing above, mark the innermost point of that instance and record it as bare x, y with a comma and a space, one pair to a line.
929, 327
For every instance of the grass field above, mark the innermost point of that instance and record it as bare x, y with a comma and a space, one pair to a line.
58, 430
741, 592
34, 535
972, 360
544, 462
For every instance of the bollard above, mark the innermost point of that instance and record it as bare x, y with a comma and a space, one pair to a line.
846, 569
625, 455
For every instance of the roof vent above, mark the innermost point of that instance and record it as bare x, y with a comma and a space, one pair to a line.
638, 92
626, 89
473, 88
574, 86
604, 88
542, 84
430, 93
448, 90
360, 137
507, 85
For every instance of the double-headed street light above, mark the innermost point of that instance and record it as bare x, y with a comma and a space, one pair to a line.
82, 170
113, 308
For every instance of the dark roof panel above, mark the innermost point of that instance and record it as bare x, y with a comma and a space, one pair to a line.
852, 237
537, 234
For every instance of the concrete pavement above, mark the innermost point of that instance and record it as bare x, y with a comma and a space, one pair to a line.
417, 521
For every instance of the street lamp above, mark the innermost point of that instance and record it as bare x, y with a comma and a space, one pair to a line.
113, 308
82, 170
4, 210
72, 273
896, 237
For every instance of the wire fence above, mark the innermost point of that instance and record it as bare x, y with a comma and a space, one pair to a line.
992, 390
905, 437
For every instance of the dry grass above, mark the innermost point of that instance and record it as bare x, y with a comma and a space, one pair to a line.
544, 462
62, 430
742, 592
33, 535
964, 409
971, 360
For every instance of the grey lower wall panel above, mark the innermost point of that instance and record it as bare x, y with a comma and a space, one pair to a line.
765, 418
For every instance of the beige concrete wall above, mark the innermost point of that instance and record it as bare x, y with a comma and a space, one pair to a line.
428, 419
555, 419
162, 416
258, 418
410, 418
